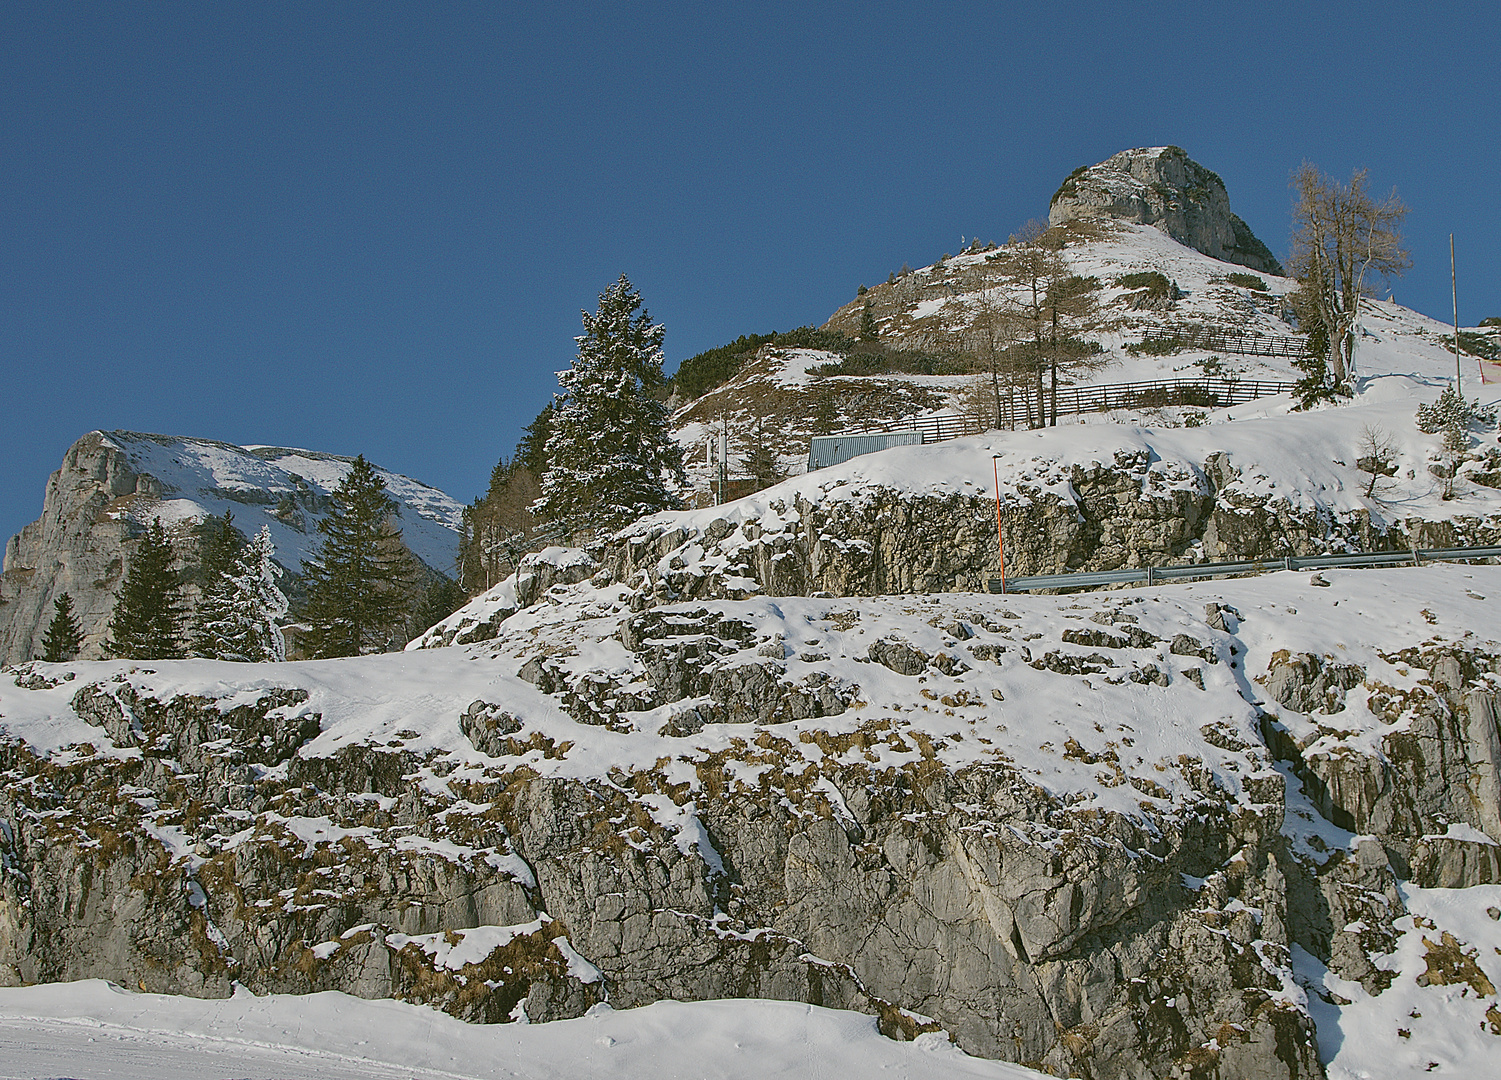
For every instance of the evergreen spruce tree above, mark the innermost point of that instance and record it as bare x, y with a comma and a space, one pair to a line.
64, 635
146, 623
358, 585
610, 442
219, 545
219, 542
240, 618
531, 450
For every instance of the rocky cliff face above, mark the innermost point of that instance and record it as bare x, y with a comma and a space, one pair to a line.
110, 486
75, 547
1055, 826
1162, 186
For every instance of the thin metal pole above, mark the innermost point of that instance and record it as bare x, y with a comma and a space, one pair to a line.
1454, 287
1000, 541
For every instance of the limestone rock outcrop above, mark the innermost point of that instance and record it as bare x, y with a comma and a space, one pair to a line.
1163, 186
198, 842
1110, 516
1055, 827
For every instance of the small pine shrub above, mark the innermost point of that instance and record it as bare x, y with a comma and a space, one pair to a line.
1163, 345
1247, 281
1451, 410
697, 375
811, 337
1475, 344
894, 362
1154, 283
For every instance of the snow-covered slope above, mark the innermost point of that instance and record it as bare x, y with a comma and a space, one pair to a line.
198, 477
778, 398
99, 1029
1111, 746
938, 305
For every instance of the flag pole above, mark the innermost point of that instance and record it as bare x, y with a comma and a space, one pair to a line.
1000, 541
1454, 288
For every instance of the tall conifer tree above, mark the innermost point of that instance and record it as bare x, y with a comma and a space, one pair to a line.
147, 620
610, 444
219, 546
64, 635
360, 581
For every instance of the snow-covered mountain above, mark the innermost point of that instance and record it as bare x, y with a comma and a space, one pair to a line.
789, 748
1135, 486
112, 484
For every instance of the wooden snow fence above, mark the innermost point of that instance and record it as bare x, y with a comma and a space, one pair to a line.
1021, 407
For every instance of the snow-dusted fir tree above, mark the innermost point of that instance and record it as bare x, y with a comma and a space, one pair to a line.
610, 451
241, 612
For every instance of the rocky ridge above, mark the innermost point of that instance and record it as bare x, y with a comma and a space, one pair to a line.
911, 519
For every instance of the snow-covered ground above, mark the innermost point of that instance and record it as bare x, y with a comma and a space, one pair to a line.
1307, 461
95, 1029
1401, 360
1411, 1029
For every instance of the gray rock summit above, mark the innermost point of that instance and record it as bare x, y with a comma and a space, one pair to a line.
1163, 186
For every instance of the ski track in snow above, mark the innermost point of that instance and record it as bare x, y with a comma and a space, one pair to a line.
97, 1030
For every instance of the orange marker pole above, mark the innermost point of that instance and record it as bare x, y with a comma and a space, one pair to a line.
1000, 541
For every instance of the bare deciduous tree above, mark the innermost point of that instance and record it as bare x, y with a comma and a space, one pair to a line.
1378, 456
1342, 237
1028, 312
992, 332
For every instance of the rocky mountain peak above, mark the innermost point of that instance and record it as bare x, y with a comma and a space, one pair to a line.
1163, 186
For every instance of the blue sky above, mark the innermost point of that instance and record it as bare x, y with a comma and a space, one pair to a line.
369, 228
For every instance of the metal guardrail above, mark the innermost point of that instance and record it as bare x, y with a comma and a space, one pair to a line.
1154, 575
939, 427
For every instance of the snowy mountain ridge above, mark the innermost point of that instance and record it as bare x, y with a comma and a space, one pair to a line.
112, 484
781, 399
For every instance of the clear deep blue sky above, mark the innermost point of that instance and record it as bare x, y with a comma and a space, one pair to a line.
369, 228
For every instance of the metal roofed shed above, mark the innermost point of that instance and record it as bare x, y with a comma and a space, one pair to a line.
826, 450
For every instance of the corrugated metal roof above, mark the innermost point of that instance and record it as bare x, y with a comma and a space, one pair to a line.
826, 450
